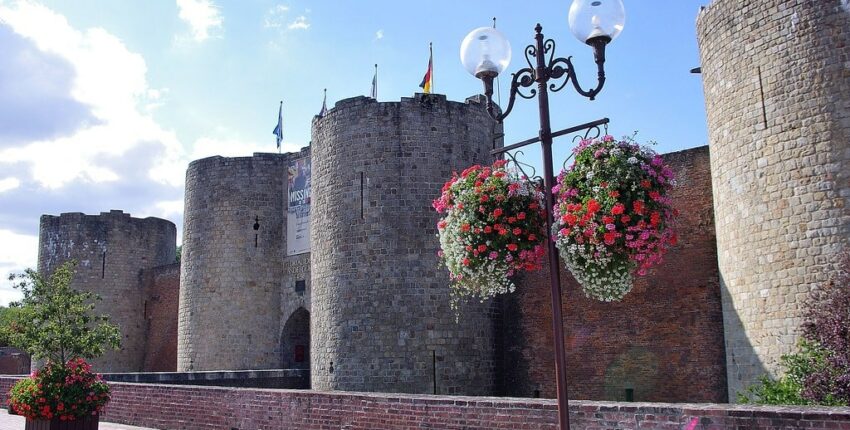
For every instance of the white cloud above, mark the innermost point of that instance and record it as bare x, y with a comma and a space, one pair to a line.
111, 81
17, 252
379, 34
274, 16
300, 23
203, 17
10, 183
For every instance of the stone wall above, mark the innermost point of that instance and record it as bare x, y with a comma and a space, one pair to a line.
161, 294
777, 91
112, 249
664, 341
207, 408
232, 274
381, 319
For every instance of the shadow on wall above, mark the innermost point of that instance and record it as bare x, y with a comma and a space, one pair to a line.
295, 341
742, 361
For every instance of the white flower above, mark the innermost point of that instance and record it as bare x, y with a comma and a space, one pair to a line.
632, 160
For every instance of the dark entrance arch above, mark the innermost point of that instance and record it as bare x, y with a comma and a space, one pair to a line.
295, 341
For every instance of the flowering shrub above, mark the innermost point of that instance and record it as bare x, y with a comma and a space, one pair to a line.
613, 215
493, 228
67, 392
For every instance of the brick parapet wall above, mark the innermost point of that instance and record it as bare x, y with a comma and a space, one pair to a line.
191, 407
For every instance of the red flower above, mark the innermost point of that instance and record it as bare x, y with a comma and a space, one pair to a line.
569, 219
497, 212
625, 219
614, 194
488, 229
442, 224
654, 195
638, 205
520, 216
609, 238
511, 220
646, 184
674, 240
608, 219
603, 184
534, 205
618, 209
593, 206
512, 247
482, 248
517, 231
532, 237
464, 227
655, 219
484, 198
466, 262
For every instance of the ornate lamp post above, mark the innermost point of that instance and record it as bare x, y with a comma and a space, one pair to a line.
486, 53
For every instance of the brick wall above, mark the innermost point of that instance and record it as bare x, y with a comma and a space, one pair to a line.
188, 407
664, 341
161, 286
13, 361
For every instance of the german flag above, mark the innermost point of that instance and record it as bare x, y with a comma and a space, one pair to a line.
428, 80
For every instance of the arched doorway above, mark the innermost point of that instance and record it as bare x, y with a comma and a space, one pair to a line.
295, 341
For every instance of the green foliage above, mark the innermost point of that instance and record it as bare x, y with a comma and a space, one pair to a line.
55, 322
7, 316
179, 252
788, 389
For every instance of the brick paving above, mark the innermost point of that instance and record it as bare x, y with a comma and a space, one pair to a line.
15, 422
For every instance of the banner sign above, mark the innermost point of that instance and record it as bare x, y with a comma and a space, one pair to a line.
298, 212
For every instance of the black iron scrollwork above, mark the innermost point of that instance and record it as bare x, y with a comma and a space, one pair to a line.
515, 163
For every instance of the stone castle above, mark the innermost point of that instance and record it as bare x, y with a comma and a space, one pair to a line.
765, 213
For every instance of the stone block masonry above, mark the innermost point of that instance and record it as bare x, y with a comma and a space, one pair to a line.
777, 89
112, 250
381, 319
232, 274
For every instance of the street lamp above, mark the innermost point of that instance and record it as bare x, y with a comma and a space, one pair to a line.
485, 53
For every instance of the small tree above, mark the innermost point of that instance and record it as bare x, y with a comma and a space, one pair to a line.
55, 322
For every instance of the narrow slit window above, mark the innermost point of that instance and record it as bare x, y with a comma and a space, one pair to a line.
103, 265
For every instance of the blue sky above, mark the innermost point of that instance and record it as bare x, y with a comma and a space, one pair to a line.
103, 103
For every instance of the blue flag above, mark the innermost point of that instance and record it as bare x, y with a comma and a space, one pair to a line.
278, 130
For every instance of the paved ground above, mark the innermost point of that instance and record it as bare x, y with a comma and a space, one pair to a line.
14, 422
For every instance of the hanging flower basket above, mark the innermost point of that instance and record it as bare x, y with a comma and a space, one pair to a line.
493, 227
613, 216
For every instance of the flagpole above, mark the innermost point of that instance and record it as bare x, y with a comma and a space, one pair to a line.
431, 51
280, 123
376, 81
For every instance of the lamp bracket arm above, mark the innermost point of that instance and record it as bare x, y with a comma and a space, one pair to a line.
524, 78
564, 66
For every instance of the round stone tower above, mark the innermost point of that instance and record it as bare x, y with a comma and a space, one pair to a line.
232, 263
111, 250
777, 90
381, 319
